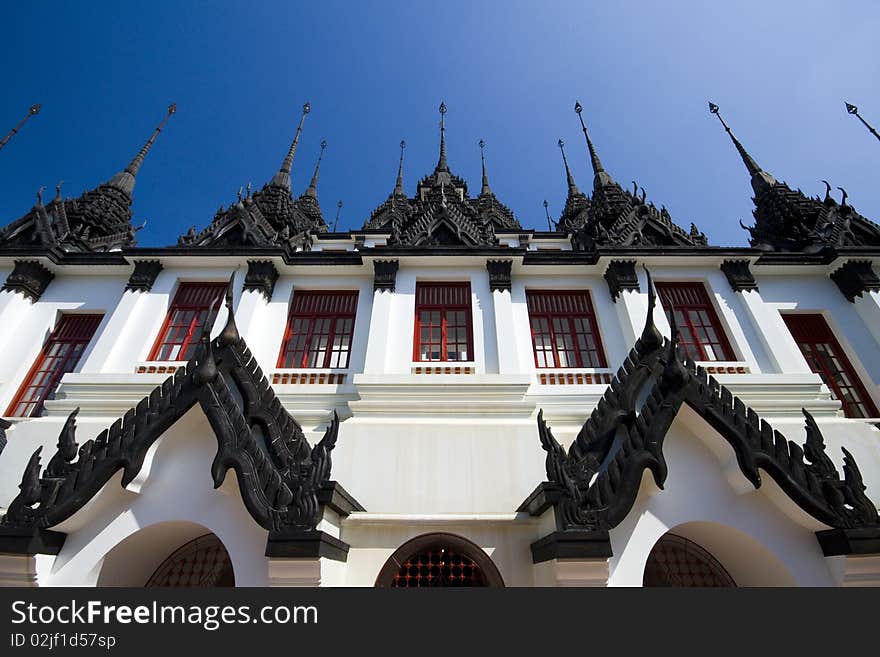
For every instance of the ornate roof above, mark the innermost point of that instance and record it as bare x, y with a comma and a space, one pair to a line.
271, 216
99, 220
613, 216
442, 213
788, 220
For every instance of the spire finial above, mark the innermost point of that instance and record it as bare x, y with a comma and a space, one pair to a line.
58, 190
441, 163
125, 179
398, 186
747, 159
547, 212
852, 109
338, 210
486, 189
313, 185
594, 157
40, 195
33, 109
572, 187
282, 178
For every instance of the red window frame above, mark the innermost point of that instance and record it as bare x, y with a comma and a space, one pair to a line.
60, 354
443, 301
562, 316
827, 358
701, 334
320, 327
182, 327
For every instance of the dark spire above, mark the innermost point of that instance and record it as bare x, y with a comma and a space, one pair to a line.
572, 186
313, 185
398, 186
33, 109
547, 212
759, 176
594, 157
486, 189
338, 210
282, 178
124, 180
852, 109
441, 163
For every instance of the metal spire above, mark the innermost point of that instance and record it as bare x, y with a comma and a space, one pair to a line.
441, 163
572, 186
282, 178
852, 109
313, 185
124, 180
547, 212
338, 210
398, 186
33, 109
594, 157
747, 159
486, 189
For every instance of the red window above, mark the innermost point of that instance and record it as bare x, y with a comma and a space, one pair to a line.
564, 329
827, 359
319, 330
182, 330
60, 355
443, 322
700, 333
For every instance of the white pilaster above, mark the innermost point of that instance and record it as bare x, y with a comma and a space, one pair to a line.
868, 307
508, 359
774, 334
377, 342
108, 340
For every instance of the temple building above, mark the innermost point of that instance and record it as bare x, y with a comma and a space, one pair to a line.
441, 397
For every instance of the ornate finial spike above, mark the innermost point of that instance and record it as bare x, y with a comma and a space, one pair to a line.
40, 195
747, 159
239, 194
282, 178
485, 189
338, 210
852, 109
32, 110
249, 189
442, 107
572, 187
125, 179
594, 157
441, 163
58, 190
713, 107
313, 185
547, 212
845, 195
398, 185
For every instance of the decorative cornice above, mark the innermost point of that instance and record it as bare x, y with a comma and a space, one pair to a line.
385, 274
739, 275
261, 276
30, 278
144, 275
856, 277
621, 275
499, 274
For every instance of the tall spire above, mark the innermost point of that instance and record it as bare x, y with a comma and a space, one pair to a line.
398, 186
124, 180
486, 189
313, 185
441, 163
759, 176
33, 109
338, 210
594, 157
547, 212
282, 178
572, 186
852, 109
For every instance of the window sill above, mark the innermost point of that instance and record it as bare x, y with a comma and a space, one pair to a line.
309, 376
158, 366
443, 367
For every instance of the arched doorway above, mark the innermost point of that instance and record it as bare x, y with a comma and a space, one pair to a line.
678, 561
203, 562
439, 560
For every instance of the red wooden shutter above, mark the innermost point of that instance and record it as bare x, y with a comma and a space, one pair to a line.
443, 323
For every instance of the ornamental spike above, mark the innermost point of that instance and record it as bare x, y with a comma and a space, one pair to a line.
398, 185
282, 178
313, 185
747, 159
124, 180
441, 163
594, 157
852, 109
485, 189
572, 186
32, 110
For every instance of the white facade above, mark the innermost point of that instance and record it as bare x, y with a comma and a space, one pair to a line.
436, 452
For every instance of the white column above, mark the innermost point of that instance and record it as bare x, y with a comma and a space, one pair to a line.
263, 331
631, 307
572, 572
505, 333
862, 570
18, 570
99, 356
868, 306
14, 308
377, 341
775, 336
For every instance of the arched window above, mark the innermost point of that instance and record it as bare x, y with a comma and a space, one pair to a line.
203, 562
676, 561
439, 560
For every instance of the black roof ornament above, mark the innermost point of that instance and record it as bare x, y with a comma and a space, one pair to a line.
547, 212
398, 185
338, 210
852, 109
282, 178
594, 157
441, 163
747, 159
32, 110
572, 186
313, 185
124, 180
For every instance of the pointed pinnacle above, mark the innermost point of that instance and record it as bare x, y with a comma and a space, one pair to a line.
572, 186
852, 109
747, 159
486, 189
125, 179
594, 157
313, 185
441, 163
32, 110
398, 185
282, 178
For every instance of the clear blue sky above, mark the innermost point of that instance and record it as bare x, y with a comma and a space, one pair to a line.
376, 72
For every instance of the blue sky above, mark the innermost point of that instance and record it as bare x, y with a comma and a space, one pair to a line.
376, 72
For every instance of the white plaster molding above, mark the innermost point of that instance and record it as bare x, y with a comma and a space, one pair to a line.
419, 519
572, 572
862, 570
294, 572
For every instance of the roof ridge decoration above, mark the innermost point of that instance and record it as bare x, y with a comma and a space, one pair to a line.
270, 217
281, 477
99, 220
33, 110
442, 214
594, 484
613, 216
788, 220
